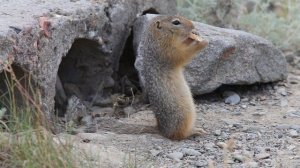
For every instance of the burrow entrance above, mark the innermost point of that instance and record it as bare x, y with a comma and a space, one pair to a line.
87, 72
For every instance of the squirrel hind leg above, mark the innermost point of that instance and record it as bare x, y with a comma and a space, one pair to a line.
191, 133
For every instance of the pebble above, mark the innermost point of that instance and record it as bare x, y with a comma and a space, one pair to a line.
154, 152
282, 91
201, 163
217, 132
283, 103
283, 126
190, 152
262, 155
244, 106
222, 145
102, 111
209, 146
239, 157
129, 110
224, 111
157, 147
231, 98
91, 128
259, 114
295, 127
175, 156
294, 113
237, 125
236, 113
252, 103
224, 135
87, 120
252, 164
293, 133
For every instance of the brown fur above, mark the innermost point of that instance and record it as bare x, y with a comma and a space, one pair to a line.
173, 42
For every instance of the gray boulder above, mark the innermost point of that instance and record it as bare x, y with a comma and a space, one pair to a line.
79, 41
232, 57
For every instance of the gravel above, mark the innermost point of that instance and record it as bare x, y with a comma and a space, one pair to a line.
177, 156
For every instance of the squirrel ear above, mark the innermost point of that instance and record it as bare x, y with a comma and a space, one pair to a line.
158, 24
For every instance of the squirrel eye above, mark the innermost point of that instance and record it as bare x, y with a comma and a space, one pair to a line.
176, 22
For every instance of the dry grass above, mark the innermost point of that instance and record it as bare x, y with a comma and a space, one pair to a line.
24, 141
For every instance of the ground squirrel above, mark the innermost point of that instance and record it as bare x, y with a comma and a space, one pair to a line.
170, 42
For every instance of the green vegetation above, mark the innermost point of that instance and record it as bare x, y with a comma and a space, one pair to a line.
24, 141
276, 20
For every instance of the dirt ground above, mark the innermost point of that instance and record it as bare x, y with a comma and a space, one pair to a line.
262, 130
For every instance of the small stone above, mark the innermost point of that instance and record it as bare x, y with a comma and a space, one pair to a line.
175, 156
259, 114
217, 132
102, 111
295, 127
283, 126
252, 103
190, 152
283, 103
237, 125
222, 145
201, 163
291, 147
294, 113
209, 146
224, 135
236, 113
157, 147
262, 98
282, 91
90, 129
154, 152
252, 164
224, 111
239, 157
293, 133
279, 136
231, 98
244, 106
92, 34
87, 120
262, 156
129, 110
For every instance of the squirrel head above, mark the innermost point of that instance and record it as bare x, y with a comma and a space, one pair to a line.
177, 39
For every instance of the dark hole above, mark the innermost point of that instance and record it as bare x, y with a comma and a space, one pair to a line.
128, 81
84, 72
150, 11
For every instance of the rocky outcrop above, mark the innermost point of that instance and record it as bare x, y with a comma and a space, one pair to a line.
79, 41
232, 58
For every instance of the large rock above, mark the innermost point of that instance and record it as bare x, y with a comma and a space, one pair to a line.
232, 57
39, 34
